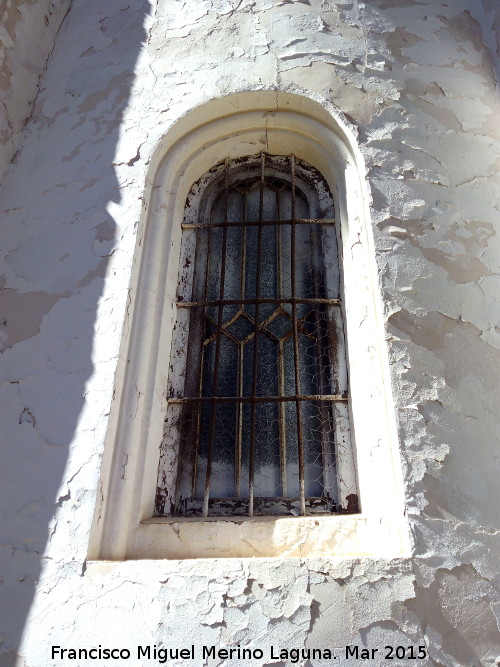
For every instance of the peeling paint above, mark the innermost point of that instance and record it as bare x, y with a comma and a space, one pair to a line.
418, 84
27, 33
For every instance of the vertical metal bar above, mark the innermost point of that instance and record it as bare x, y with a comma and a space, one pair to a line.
300, 442
241, 356
278, 247
251, 471
217, 348
281, 352
239, 424
282, 420
202, 362
197, 426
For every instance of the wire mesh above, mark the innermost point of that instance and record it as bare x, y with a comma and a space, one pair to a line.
257, 416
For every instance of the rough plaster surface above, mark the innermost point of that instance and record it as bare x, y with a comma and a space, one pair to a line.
27, 33
416, 80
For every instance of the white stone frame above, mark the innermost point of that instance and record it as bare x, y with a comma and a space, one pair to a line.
236, 126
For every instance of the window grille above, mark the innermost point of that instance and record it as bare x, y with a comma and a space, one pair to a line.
259, 406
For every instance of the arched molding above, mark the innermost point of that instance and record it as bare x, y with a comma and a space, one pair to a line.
235, 126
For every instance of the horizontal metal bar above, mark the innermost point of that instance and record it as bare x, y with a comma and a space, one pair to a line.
257, 399
231, 302
259, 223
239, 507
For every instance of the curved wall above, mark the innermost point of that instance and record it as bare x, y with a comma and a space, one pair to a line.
414, 83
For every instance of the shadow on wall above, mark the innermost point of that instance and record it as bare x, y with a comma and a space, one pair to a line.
57, 239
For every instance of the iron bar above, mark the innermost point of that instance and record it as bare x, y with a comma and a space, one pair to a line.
231, 302
213, 416
259, 399
197, 330
281, 352
253, 413
200, 379
300, 443
239, 422
282, 420
241, 359
259, 223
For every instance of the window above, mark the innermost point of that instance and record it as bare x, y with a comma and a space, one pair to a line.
258, 388
160, 355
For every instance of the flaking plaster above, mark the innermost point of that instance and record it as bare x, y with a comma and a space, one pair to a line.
27, 33
416, 81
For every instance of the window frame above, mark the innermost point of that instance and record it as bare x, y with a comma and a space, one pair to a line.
123, 527
198, 208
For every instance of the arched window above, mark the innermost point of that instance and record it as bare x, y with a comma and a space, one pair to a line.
258, 382
296, 431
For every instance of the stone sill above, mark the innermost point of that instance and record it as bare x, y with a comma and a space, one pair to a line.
237, 519
344, 536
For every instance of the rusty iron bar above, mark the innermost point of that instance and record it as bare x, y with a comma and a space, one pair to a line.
235, 302
259, 223
213, 416
239, 423
200, 380
259, 399
281, 354
253, 413
300, 443
282, 418
241, 356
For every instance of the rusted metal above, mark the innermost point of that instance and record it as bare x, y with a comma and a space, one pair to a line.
239, 507
260, 223
352, 505
292, 283
262, 327
241, 345
300, 443
213, 416
258, 399
253, 413
239, 425
233, 302
281, 362
200, 381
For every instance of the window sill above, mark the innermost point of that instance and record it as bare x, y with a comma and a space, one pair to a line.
121, 529
267, 537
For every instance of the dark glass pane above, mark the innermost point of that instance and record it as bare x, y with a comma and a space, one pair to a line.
214, 263
267, 462
267, 368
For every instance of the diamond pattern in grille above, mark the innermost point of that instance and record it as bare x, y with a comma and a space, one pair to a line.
260, 421
278, 326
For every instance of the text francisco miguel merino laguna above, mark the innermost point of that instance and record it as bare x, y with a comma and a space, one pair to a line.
161, 654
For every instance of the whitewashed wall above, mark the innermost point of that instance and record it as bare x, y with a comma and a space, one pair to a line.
27, 33
416, 81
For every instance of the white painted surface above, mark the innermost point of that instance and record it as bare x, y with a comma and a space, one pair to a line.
27, 33
415, 81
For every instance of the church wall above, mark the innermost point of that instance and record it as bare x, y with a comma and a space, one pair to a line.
27, 33
414, 83
491, 24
